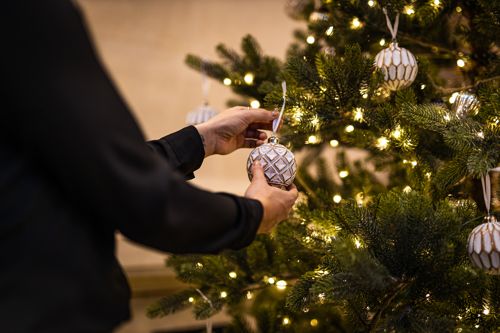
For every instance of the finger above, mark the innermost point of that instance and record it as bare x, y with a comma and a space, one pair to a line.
258, 173
250, 143
260, 142
260, 116
292, 189
255, 134
263, 126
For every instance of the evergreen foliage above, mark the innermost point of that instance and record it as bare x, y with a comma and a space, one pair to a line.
381, 248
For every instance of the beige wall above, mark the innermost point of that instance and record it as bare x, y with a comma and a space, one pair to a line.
143, 44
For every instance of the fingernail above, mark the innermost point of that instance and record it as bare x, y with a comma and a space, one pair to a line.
256, 163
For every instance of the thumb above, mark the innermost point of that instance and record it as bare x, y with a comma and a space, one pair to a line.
258, 173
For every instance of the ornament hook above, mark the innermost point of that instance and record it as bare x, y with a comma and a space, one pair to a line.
486, 183
392, 28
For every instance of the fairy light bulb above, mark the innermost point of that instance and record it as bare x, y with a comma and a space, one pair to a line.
382, 42
227, 81
281, 284
371, 3
357, 243
349, 128
356, 23
382, 143
396, 134
312, 139
358, 114
329, 31
310, 39
314, 322
271, 280
343, 173
407, 189
334, 143
286, 321
486, 311
191, 299
199, 265
461, 63
248, 78
249, 295
409, 10
453, 97
337, 198
223, 294
233, 275
255, 104
436, 3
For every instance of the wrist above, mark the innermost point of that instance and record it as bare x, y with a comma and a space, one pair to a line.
207, 138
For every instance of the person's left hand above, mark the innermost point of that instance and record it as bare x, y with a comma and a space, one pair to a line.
235, 128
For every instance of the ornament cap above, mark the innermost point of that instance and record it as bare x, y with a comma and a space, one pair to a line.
490, 219
273, 140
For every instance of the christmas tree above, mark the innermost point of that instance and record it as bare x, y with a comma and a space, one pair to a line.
364, 252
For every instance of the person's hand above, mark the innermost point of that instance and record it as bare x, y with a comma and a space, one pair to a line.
235, 128
277, 203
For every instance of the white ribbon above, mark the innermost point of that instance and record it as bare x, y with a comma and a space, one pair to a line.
206, 299
276, 122
486, 182
392, 28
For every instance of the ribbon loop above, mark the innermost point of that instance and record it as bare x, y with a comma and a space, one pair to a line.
206, 299
486, 183
392, 28
276, 122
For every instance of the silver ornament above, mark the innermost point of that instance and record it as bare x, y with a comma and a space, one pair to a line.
484, 246
277, 161
200, 115
319, 16
398, 65
466, 104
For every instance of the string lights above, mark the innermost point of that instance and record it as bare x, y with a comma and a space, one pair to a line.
227, 81
248, 78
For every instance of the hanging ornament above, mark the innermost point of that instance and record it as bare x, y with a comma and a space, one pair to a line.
204, 112
296, 8
398, 65
484, 241
465, 104
277, 161
319, 15
328, 50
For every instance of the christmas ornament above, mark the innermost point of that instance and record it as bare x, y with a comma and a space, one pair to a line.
398, 65
484, 241
277, 161
466, 104
484, 246
319, 15
204, 112
200, 115
328, 50
295, 8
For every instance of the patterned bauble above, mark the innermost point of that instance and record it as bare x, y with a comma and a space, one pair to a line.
398, 65
465, 104
484, 246
277, 161
200, 115
319, 16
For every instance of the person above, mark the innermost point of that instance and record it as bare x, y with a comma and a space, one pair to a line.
75, 169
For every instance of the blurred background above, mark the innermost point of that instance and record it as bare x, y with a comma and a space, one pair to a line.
143, 45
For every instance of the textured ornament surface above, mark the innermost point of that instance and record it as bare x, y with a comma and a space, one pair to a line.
277, 161
398, 65
483, 246
318, 16
200, 115
466, 104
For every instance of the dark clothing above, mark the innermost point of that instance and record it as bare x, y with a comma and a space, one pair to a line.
74, 169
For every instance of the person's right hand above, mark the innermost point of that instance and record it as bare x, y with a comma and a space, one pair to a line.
277, 203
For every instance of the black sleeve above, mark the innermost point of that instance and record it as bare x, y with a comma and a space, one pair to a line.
68, 117
183, 150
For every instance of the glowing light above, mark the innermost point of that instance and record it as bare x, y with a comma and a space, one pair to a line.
447, 117
297, 114
357, 243
343, 173
453, 97
360, 198
281, 284
223, 294
486, 311
382, 143
227, 81
476, 326
337, 198
271, 280
409, 10
422, 86
312, 139
358, 114
371, 3
480, 135
407, 189
458, 9
334, 143
233, 275
255, 104
191, 299
314, 322
413, 163
396, 134
248, 78
199, 265
428, 175
315, 121
310, 39
321, 297
460, 63
349, 128
382, 42
329, 31
249, 295
436, 3
427, 296
356, 23
286, 321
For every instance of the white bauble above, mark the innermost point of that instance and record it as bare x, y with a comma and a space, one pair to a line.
277, 161
398, 65
200, 115
484, 246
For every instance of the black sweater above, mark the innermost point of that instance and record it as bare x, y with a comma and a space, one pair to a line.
75, 168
